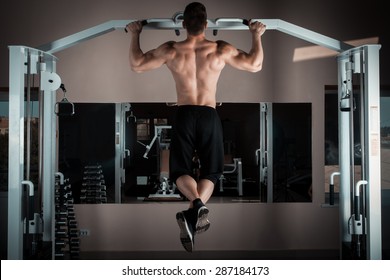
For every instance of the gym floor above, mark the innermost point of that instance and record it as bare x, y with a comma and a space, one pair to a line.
215, 255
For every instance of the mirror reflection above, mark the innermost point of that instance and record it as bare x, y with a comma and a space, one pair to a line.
119, 153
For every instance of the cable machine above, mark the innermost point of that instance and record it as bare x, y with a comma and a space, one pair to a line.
360, 194
357, 220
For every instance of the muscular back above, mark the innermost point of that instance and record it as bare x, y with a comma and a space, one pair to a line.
196, 65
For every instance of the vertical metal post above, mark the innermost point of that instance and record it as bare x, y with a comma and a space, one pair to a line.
261, 152
349, 91
239, 178
266, 146
344, 157
16, 149
373, 163
48, 153
40, 143
118, 154
28, 116
120, 148
125, 108
270, 153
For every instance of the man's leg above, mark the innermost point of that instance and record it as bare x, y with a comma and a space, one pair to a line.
195, 219
198, 194
193, 190
186, 219
205, 190
188, 187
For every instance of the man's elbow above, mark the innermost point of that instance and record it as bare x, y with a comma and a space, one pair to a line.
256, 68
135, 68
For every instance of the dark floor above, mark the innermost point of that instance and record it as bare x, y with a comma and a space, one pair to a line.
215, 255
222, 255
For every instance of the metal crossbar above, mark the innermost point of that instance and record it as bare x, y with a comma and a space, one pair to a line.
217, 24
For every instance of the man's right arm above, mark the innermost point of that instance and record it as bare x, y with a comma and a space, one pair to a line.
135, 52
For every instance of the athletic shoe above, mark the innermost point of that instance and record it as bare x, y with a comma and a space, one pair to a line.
199, 216
186, 231
202, 223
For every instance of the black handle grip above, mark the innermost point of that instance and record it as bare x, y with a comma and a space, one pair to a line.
357, 208
143, 23
331, 194
31, 208
245, 22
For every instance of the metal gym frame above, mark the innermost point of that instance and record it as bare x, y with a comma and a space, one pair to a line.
26, 61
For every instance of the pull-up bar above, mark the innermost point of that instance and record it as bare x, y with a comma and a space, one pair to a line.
217, 24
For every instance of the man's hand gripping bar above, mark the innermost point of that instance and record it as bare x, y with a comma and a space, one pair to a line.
143, 22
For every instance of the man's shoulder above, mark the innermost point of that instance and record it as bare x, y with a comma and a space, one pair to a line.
167, 47
223, 45
169, 44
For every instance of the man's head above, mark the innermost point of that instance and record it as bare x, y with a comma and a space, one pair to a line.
195, 18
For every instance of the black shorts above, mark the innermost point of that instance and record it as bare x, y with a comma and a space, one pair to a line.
197, 130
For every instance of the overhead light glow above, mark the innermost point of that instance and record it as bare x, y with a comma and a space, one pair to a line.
315, 52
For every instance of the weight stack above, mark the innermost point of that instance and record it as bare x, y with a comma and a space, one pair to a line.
67, 237
93, 187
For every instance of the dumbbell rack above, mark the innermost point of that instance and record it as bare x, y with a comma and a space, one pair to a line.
67, 240
93, 190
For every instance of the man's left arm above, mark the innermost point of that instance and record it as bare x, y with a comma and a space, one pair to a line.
140, 61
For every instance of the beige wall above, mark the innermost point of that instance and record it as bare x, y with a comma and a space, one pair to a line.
234, 227
97, 71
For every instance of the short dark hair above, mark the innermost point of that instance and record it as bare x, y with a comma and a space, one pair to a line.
195, 18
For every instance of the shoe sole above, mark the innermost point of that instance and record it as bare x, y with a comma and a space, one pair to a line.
186, 237
202, 223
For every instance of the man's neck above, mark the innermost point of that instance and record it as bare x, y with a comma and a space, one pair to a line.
196, 38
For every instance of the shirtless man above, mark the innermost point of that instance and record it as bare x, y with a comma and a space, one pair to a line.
196, 64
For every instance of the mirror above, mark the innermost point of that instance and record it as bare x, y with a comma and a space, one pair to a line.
103, 146
292, 154
87, 151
